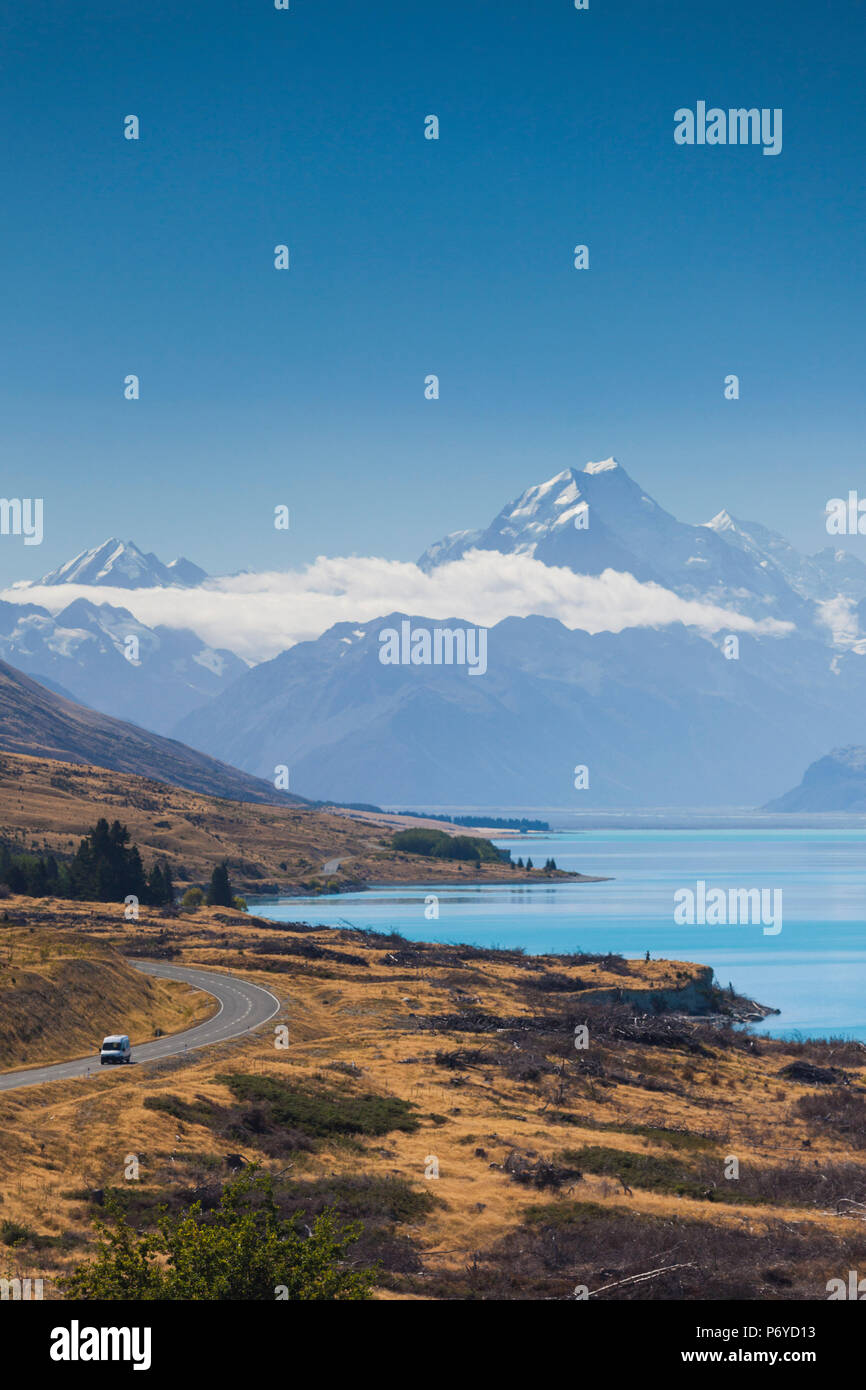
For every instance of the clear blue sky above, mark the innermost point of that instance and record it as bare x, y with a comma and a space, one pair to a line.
408, 257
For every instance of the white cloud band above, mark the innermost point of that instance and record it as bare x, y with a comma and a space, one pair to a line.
259, 615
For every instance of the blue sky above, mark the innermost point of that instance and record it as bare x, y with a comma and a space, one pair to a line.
411, 257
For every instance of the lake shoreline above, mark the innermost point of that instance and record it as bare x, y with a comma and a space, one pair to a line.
813, 971
341, 888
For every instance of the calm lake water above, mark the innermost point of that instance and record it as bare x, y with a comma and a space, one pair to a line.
814, 970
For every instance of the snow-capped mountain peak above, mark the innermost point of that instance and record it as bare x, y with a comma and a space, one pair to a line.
184, 572
722, 521
597, 517
122, 565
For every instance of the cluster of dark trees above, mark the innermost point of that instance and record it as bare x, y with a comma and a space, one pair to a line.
436, 844
105, 868
548, 864
493, 822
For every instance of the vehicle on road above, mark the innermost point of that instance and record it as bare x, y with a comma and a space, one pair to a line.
115, 1049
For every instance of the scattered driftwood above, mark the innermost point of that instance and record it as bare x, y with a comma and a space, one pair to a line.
858, 1209
541, 1174
641, 1278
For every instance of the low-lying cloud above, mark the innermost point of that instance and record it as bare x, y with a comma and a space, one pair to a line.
259, 615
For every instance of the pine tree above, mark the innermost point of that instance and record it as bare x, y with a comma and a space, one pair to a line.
132, 879
53, 875
220, 893
16, 879
156, 886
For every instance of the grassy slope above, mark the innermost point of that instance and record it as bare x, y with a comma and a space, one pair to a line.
36, 721
50, 805
61, 993
663, 1111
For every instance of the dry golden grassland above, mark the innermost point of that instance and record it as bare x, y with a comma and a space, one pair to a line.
557, 1167
48, 806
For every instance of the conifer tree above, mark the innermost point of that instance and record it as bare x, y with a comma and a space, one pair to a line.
220, 893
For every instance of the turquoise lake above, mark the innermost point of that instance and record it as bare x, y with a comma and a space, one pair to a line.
813, 971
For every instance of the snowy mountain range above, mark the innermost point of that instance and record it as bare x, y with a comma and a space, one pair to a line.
820, 577
598, 518
85, 652
657, 714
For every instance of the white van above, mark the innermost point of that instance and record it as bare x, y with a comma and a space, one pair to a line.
115, 1049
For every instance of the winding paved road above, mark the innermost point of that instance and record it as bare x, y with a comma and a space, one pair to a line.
243, 1007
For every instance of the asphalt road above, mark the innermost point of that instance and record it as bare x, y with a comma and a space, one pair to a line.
243, 1006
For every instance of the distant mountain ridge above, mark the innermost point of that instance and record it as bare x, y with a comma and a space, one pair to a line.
83, 650
821, 576
38, 722
660, 717
836, 782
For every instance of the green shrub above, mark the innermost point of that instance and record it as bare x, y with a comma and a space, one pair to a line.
13, 1234
244, 1250
321, 1112
644, 1170
364, 1198
197, 1112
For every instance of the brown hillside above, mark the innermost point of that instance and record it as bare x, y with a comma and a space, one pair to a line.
36, 721
48, 805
